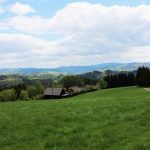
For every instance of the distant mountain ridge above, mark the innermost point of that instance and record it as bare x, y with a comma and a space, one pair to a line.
76, 69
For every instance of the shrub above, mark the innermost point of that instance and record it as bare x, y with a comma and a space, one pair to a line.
32, 91
8, 95
39, 87
24, 95
18, 88
103, 84
35, 91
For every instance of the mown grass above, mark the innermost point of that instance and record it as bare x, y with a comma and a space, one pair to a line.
113, 119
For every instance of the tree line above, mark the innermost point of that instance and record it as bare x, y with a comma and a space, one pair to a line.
140, 78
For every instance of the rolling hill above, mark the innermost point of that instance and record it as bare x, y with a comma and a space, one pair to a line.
76, 69
113, 119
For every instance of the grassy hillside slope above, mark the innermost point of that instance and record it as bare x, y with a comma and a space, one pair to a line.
114, 119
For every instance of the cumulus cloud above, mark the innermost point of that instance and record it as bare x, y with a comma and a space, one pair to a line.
21, 9
89, 33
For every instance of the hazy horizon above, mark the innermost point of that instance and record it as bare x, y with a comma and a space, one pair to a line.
88, 65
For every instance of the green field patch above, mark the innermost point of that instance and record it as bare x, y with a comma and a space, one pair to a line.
113, 119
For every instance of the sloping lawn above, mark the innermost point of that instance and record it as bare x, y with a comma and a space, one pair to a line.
113, 119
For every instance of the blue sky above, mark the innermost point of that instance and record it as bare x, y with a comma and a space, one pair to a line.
52, 33
49, 7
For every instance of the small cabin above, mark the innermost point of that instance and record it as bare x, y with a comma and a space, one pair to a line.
51, 93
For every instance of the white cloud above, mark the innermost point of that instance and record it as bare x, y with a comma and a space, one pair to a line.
90, 33
33, 24
21, 9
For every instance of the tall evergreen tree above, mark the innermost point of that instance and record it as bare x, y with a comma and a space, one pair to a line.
143, 77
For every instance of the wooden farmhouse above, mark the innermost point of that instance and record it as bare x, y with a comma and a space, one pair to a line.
51, 93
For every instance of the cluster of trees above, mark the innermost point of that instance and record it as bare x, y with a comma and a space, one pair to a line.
22, 92
120, 80
69, 81
140, 78
95, 75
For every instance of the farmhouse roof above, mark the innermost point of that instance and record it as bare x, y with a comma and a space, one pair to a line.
53, 91
77, 89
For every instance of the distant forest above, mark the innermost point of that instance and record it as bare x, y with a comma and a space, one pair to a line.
141, 77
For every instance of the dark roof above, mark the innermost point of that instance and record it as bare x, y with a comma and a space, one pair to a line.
53, 91
77, 89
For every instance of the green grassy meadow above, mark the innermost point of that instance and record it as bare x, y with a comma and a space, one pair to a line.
112, 119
